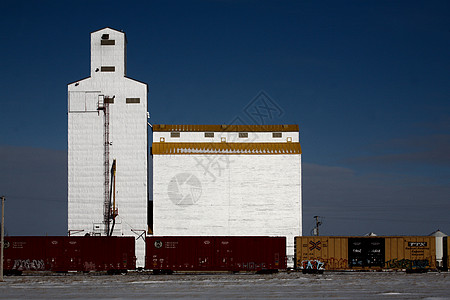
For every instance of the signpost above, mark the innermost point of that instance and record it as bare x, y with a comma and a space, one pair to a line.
2, 238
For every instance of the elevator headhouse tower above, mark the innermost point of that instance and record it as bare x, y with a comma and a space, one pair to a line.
107, 146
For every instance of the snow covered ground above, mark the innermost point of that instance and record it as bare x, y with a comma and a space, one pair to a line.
396, 285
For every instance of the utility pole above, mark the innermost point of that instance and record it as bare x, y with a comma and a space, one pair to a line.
2, 238
318, 223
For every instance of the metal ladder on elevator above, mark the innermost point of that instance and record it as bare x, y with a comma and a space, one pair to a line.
103, 104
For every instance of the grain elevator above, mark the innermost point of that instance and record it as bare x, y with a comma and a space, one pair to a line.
205, 180
227, 180
107, 147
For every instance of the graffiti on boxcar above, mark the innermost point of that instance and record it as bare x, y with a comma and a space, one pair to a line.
89, 266
312, 265
407, 264
27, 264
328, 263
334, 263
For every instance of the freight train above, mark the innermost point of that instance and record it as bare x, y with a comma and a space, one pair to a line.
165, 255
333, 253
219, 253
64, 254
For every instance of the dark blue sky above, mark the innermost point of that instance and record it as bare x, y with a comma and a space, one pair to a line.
367, 82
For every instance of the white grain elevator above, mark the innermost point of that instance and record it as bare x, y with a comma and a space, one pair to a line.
227, 180
107, 147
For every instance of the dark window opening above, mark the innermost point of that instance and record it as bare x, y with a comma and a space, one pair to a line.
243, 134
133, 100
105, 36
209, 134
108, 69
276, 134
108, 42
175, 134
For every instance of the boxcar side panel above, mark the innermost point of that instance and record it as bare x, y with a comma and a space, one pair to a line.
215, 253
25, 254
62, 254
250, 253
321, 252
410, 252
53, 246
104, 253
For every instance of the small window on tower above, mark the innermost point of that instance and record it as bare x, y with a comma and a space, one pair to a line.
243, 134
175, 134
209, 134
108, 42
105, 36
108, 69
277, 135
133, 100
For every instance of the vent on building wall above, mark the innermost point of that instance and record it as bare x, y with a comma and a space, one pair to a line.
108, 42
276, 135
243, 134
133, 100
108, 69
174, 134
209, 134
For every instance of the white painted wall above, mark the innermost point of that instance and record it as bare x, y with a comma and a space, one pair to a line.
235, 195
128, 138
230, 137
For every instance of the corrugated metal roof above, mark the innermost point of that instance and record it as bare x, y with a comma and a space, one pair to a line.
226, 148
228, 128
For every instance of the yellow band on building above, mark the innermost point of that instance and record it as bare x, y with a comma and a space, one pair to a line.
226, 148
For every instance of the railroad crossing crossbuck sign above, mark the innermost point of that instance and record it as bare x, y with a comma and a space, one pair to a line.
315, 245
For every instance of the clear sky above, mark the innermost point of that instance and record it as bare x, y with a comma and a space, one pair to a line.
368, 82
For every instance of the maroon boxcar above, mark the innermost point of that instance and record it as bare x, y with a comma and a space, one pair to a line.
253, 254
63, 254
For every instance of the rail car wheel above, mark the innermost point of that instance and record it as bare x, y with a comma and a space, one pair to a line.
12, 272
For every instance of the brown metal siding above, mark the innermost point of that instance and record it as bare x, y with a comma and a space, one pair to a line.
227, 128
